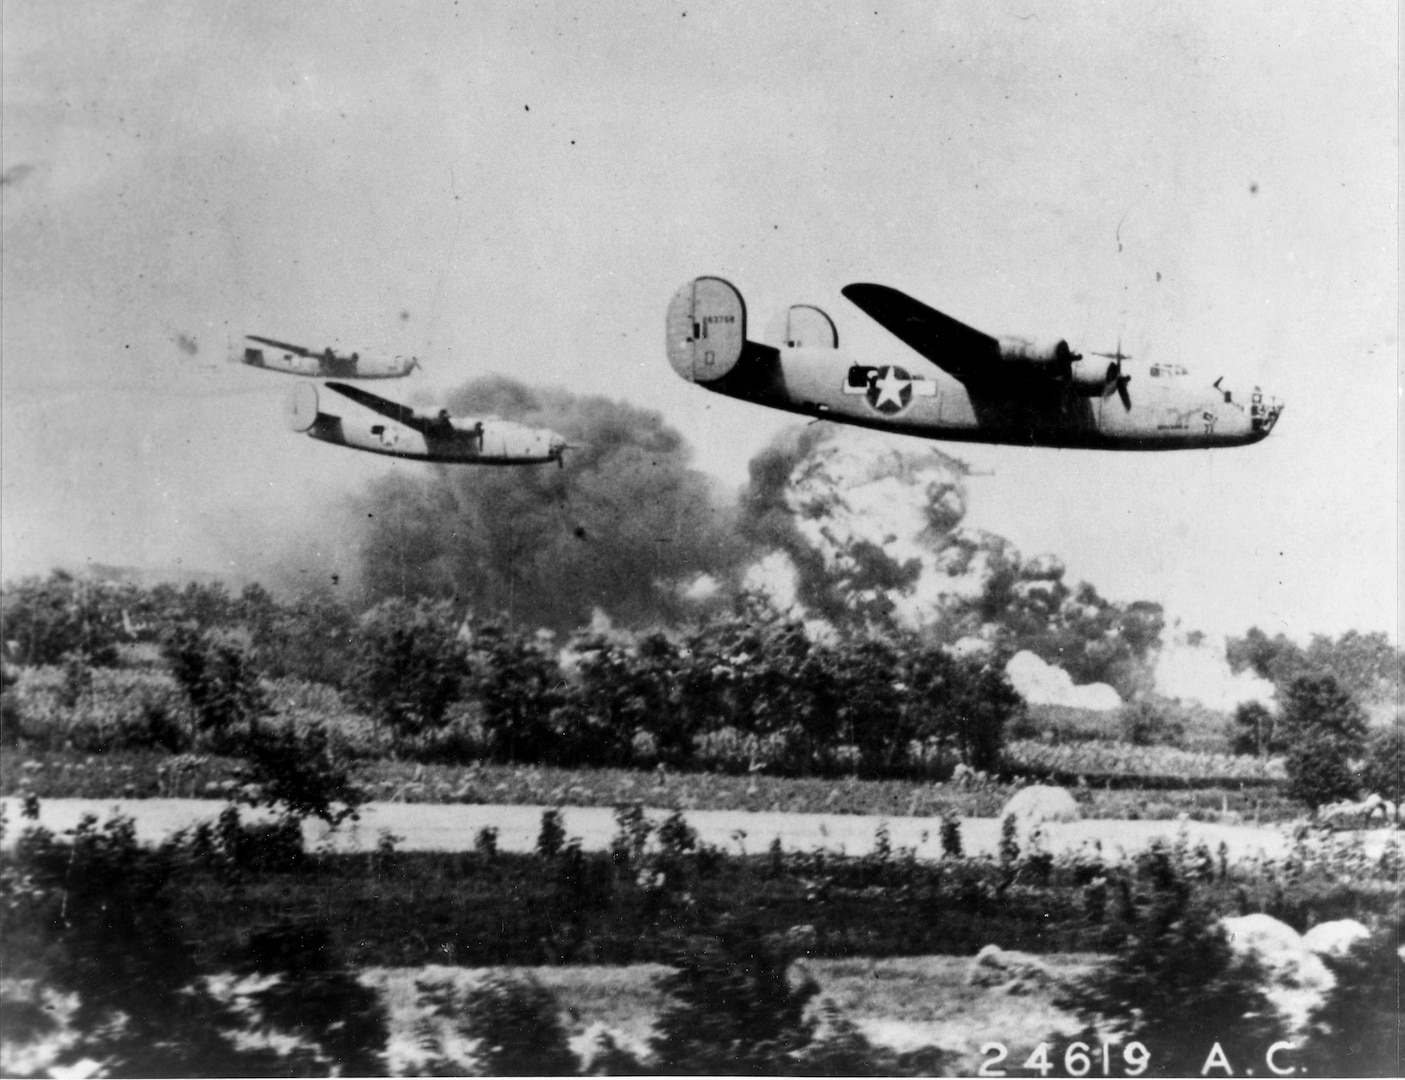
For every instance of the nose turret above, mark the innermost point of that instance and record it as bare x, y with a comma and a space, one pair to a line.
557, 448
1263, 412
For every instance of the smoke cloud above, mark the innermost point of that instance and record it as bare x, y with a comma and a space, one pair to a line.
837, 527
867, 525
860, 529
1198, 671
628, 527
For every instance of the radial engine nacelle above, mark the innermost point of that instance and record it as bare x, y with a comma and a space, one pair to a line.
1051, 352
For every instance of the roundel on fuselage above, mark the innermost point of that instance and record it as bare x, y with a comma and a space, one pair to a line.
706, 328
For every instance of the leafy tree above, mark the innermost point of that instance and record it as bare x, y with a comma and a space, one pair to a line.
621, 691
11, 719
516, 682
1366, 665
1278, 659
1381, 773
220, 681
1255, 730
1324, 730
731, 1008
52, 618
300, 774
866, 679
410, 664
1174, 984
985, 702
313, 637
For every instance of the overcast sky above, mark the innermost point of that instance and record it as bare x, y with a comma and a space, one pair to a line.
504, 188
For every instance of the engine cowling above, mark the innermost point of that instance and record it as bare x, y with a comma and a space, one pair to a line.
1041, 352
1094, 376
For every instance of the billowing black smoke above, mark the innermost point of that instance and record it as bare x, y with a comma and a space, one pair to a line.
627, 526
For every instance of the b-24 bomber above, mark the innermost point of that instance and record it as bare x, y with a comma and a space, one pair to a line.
327, 364
424, 434
962, 385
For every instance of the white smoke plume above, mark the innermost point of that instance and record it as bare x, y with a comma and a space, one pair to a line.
1041, 684
1198, 671
866, 524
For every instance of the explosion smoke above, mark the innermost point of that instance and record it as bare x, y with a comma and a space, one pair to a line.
837, 527
627, 526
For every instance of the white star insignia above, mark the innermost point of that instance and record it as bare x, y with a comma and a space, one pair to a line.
890, 388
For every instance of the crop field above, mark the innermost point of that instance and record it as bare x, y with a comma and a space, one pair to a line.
141, 774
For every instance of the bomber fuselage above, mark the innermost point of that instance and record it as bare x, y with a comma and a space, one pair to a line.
1015, 392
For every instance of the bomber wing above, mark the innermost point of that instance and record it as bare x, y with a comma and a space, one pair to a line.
295, 349
956, 348
393, 410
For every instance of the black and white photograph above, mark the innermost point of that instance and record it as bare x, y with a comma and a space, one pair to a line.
684, 537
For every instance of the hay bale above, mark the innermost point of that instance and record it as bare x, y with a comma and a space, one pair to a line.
1297, 980
1334, 938
1040, 803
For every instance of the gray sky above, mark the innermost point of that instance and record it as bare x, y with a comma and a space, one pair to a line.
513, 189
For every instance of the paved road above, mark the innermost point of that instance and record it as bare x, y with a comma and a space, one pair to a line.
440, 827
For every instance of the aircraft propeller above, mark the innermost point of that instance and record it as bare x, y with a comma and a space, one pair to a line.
1119, 381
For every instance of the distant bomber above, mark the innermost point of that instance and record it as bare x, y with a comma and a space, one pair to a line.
423, 434
977, 388
296, 360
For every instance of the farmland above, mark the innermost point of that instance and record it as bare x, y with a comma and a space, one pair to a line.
627, 803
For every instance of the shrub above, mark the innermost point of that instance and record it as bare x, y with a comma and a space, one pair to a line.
730, 1007
1356, 1029
1149, 723
516, 1024
340, 1023
1174, 981
552, 837
92, 915
951, 836
118, 710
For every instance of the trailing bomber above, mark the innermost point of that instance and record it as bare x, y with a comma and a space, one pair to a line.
422, 434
